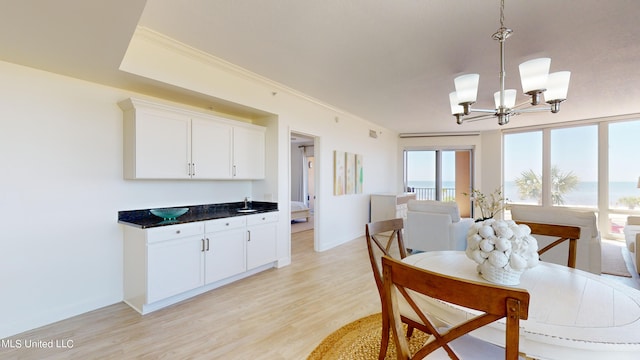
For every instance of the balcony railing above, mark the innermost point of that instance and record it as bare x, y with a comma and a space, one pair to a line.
448, 194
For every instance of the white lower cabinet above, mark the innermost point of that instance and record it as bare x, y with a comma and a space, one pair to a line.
184, 272
167, 264
262, 233
225, 256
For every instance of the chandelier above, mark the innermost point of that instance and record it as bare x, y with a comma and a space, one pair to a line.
535, 78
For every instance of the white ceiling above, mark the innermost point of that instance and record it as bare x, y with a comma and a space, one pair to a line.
390, 62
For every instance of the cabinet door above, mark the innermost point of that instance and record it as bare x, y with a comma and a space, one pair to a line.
211, 149
225, 256
174, 266
162, 145
248, 153
261, 244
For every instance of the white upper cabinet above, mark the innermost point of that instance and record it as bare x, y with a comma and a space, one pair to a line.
162, 142
157, 145
211, 149
248, 153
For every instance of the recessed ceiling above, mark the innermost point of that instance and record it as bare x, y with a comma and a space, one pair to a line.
389, 62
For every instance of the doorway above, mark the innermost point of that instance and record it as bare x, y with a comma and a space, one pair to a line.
440, 174
303, 180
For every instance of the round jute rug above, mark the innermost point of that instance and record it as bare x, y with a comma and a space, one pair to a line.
360, 340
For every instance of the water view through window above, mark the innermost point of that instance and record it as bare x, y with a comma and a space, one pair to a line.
571, 176
624, 168
523, 167
424, 176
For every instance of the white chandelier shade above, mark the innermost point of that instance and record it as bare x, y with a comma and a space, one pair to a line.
467, 88
557, 86
534, 74
509, 98
453, 100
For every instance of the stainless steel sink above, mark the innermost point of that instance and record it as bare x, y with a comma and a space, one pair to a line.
246, 210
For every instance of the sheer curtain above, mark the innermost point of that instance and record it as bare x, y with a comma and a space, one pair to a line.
298, 179
300, 172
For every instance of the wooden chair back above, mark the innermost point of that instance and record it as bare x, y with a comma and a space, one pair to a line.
562, 233
384, 238
492, 301
381, 238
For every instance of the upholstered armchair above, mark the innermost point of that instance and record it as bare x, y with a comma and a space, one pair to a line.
589, 252
435, 225
632, 238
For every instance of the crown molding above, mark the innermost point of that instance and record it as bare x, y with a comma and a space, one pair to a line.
442, 134
177, 47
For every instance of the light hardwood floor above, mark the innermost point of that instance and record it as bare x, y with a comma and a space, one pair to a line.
278, 314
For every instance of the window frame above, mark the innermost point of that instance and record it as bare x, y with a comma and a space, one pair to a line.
603, 210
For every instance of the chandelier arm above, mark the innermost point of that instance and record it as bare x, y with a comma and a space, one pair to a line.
478, 117
522, 104
492, 111
534, 109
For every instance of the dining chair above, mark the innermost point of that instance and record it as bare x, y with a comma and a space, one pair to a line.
588, 246
493, 302
562, 233
381, 236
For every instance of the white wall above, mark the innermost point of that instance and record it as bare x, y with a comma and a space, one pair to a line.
154, 56
61, 190
491, 157
467, 142
62, 185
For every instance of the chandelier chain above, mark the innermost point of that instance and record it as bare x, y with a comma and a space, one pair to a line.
502, 14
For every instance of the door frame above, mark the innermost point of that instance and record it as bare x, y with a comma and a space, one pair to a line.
316, 177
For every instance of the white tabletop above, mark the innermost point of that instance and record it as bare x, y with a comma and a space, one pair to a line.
572, 313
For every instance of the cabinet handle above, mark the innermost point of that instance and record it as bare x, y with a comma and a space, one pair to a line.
207, 244
177, 231
202, 245
193, 169
188, 169
249, 233
234, 170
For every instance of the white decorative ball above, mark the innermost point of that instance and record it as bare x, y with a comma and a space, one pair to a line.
477, 256
486, 231
486, 245
532, 243
504, 232
517, 262
476, 238
503, 244
498, 258
525, 228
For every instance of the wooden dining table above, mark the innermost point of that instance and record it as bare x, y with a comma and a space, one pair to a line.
573, 314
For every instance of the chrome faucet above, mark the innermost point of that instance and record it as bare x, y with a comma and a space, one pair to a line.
245, 202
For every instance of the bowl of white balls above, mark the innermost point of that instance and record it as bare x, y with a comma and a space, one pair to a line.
502, 249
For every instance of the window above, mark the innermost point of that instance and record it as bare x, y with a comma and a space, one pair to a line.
440, 174
559, 166
420, 169
624, 169
624, 172
574, 166
523, 168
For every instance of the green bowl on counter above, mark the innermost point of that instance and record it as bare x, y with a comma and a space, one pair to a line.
169, 213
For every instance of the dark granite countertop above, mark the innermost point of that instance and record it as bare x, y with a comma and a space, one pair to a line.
144, 219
